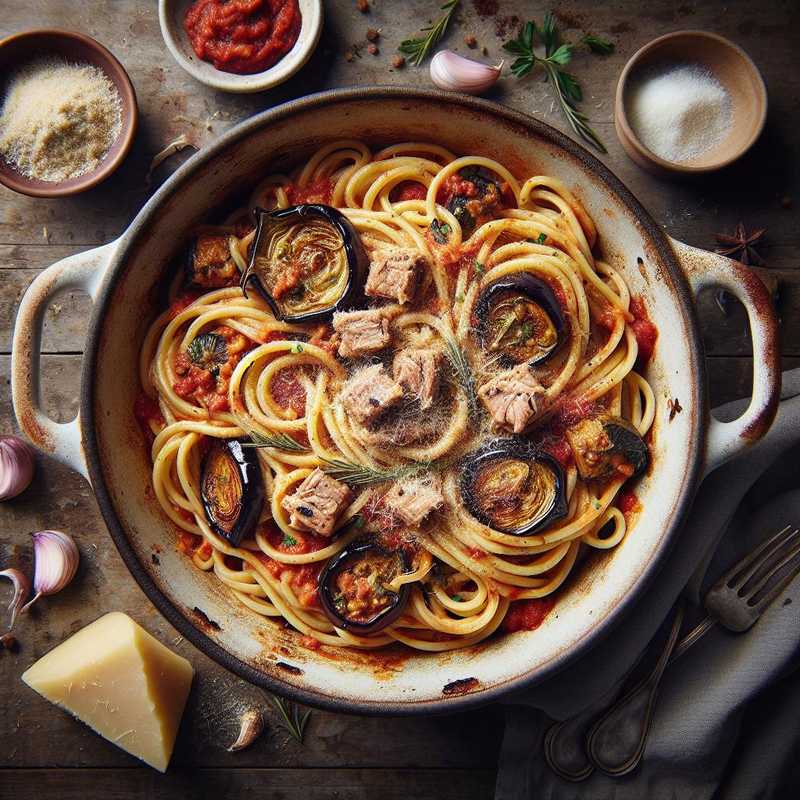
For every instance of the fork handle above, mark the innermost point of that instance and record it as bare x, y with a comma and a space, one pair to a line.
615, 744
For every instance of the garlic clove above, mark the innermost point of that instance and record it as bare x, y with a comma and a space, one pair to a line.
22, 588
16, 466
252, 726
454, 73
56, 559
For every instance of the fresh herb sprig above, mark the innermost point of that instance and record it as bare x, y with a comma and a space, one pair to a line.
363, 475
293, 717
463, 373
280, 441
557, 55
418, 49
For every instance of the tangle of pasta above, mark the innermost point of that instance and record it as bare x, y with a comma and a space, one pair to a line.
464, 577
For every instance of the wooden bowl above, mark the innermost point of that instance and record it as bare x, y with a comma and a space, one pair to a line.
20, 48
170, 16
729, 64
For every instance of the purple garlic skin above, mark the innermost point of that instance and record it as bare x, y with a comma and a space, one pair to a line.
16, 466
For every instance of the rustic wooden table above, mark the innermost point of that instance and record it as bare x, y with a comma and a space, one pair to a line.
43, 752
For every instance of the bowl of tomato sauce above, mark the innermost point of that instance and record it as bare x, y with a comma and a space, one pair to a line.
241, 45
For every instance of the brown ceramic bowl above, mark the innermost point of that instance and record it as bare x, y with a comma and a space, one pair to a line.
731, 66
19, 48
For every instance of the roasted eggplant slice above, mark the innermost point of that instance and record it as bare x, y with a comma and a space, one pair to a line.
479, 197
307, 262
232, 489
607, 447
211, 265
520, 320
513, 487
208, 351
353, 587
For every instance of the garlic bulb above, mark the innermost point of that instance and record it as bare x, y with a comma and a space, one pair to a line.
455, 73
16, 466
56, 560
22, 588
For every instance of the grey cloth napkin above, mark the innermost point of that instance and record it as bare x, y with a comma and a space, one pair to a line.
695, 750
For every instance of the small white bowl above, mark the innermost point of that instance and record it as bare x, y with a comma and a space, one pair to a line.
170, 17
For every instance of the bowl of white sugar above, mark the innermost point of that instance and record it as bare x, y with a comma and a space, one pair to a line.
689, 102
68, 113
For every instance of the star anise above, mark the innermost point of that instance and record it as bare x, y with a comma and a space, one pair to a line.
741, 245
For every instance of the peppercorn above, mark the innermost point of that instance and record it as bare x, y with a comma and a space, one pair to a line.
373, 34
9, 642
363, 6
470, 41
399, 62
373, 50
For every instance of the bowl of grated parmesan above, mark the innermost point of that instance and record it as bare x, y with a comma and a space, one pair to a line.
68, 113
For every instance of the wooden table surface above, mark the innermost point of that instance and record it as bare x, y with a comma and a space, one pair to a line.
43, 752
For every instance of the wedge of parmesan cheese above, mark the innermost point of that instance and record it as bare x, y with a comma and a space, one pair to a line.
119, 680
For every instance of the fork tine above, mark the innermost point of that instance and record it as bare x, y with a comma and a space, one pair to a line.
777, 589
750, 565
773, 570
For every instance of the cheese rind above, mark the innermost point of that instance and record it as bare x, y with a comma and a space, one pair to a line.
123, 683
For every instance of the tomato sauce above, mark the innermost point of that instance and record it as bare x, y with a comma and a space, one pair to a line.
646, 333
288, 391
408, 190
527, 615
242, 36
146, 410
303, 578
320, 191
628, 503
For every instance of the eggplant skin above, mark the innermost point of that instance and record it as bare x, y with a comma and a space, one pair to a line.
246, 463
538, 291
328, 575
357, 259
516, 449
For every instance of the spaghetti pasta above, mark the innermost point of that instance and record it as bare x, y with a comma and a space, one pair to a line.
473, 225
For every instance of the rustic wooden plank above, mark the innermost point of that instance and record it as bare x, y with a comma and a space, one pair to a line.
286, 784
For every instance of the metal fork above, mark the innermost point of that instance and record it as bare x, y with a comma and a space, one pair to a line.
616, 741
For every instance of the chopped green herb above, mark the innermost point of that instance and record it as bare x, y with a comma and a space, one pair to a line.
440, 231
457, 598
288, 540
297, 347
358, 521
479, 268
460, 297
542, 238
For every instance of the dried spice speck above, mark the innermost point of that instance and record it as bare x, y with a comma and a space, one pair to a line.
373, 34
470, 41
398, 62
363, 6
373, 50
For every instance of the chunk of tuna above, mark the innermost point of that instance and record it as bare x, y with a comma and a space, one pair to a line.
211, 265
510, 397
393, 273
417, 370
369, 393
361, 332
412, 501
317, 503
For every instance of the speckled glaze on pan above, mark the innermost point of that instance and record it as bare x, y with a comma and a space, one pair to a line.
106, 446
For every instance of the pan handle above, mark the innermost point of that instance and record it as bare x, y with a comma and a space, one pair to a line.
704, 270
82, 271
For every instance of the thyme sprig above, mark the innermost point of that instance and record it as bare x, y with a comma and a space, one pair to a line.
293, 717
418, 49
463, 373
280, 441
363, 475
557, 55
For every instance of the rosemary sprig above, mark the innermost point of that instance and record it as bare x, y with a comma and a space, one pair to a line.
418, 49
463, 373
280, 441
294, 719
557, 55
362, 475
